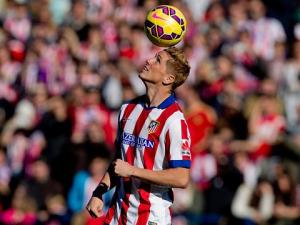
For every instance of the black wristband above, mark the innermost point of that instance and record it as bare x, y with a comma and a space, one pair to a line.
100, 190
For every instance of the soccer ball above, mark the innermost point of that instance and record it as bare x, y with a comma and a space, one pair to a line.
165, 25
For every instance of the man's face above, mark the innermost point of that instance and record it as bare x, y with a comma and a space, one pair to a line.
257, 9
155, 69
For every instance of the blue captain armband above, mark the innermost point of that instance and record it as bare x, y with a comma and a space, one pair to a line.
180, 163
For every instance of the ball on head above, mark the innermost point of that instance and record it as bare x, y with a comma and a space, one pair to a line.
165, 25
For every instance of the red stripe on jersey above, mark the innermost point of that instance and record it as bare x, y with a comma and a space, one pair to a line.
149, 156
144, 207
167, 146
185, 144
184, 130
130, 155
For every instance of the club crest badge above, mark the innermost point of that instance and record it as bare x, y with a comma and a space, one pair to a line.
153, 126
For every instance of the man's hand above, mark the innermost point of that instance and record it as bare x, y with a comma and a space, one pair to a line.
122, 168
94, 207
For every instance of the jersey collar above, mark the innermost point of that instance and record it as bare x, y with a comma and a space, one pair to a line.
165, 104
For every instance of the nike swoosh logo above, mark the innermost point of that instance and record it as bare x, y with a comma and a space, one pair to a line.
155, 16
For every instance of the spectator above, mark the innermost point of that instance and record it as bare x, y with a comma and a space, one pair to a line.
5, 177
287, 208
254, 203
22, 210
93, 111
58, 212
36, 186
84, 183
266, 31
56, 128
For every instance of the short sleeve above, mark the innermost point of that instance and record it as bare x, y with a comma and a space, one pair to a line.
178, 144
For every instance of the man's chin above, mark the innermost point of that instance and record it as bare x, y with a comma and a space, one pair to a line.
141, 75
144, 79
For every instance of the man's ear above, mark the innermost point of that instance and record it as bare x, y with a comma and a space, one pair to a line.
169, 79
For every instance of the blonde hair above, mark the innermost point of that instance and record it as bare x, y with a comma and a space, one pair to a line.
178, 66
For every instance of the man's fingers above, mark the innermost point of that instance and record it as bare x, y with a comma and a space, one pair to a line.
94, 212
115, 168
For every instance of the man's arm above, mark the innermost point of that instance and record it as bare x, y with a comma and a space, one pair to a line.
95, 205
108, 181
174, 177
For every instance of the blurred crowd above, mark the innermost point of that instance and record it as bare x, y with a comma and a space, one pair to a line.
66, 66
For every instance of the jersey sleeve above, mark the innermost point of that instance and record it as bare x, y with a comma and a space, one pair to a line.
178, 144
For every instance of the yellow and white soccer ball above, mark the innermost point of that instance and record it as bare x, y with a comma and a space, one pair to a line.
165, 25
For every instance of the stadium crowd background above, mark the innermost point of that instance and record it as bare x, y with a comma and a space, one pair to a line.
66, 66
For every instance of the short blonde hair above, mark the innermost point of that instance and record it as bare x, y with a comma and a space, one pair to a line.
178, 66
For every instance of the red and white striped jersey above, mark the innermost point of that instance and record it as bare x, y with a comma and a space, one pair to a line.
153, 138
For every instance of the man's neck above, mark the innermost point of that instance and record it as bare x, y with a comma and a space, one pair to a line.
156, 96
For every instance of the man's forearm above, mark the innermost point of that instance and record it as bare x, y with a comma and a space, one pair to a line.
173, 177
106, 179
177, 177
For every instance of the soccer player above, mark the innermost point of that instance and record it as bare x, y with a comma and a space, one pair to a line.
153, 148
